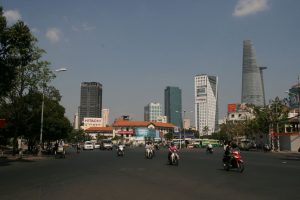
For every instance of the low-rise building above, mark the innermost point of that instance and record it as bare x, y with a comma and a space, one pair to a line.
133, 131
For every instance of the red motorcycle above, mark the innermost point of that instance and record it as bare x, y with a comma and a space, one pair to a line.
234, 161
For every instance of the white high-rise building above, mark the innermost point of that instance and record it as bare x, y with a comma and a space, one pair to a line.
186, 123
76, 122
152, 111
206, 103
105, 116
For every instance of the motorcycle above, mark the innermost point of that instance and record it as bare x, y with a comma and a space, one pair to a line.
120, 151
149, 153
174, 158
266, 148
60, 152
209, 150
78, 148
234, 161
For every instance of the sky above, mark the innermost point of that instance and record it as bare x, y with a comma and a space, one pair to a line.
136, 48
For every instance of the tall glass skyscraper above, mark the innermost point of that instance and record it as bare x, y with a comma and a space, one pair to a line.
173, 106
90, 100
252, 77
206, 103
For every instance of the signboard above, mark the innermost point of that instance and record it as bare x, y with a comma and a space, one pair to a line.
231, 107
92, 122
201, 91
125, 132
145, 132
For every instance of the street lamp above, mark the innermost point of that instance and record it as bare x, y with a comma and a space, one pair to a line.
42, 113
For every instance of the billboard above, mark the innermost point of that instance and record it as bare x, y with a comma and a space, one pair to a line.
145, 132
92, 122
122, 132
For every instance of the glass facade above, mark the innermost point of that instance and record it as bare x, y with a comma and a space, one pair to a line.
173, 105
90, 100
294, 96
252, 77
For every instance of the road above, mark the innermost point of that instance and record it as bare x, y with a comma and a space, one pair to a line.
102, 175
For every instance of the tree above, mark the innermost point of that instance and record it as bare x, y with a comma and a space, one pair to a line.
7, 69
205, 130
168, 136
21, 104
272, 116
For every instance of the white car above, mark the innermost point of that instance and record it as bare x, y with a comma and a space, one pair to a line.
88, 145
96, 146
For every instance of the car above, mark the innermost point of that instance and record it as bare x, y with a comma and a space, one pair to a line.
88, 145
106, 145
97, 146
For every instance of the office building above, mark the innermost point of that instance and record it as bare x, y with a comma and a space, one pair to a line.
152, 111
206, 103
105, 116
90, 100
173, 106
76, 121
252, 77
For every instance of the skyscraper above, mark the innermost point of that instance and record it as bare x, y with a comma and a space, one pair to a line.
206, 103
173, 106
90, 100
252, 77
152, 111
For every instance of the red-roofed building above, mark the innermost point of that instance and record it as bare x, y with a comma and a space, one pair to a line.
133, 130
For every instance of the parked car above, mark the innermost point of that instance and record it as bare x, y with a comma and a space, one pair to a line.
97, 145
88, 145
247, 145
106, 145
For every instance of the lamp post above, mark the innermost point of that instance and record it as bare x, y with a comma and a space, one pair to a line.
42, 113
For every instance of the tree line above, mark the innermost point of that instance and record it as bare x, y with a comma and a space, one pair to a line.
24, 79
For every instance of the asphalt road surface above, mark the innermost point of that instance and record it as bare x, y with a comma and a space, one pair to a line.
102, 175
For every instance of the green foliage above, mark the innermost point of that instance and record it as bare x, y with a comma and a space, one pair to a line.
7, 62
205, 130
76, 136
168, 136
271, 116
101, 137
24, 77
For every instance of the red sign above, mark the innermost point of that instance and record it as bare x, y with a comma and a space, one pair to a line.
125, 132
231, 107
2, 123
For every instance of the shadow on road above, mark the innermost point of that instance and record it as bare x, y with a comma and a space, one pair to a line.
295, 157
4, 161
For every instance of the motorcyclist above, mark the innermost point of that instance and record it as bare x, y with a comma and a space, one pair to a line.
150, 147
120, 147
172, 148
209, 148
78, 148
227, 152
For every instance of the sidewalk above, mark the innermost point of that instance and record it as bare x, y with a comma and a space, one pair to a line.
26, 157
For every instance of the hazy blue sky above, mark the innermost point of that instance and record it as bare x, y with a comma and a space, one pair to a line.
135, 48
